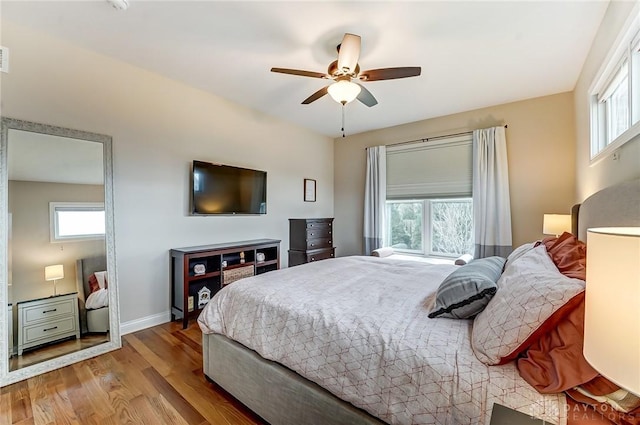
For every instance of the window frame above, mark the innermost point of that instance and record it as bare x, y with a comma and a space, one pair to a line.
427, 227
54, 207
625, 50
387, 233
432, 253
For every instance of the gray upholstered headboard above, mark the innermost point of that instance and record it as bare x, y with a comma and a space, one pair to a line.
617, 205
85, 267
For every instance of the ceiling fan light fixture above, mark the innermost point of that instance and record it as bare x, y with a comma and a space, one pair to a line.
119, 4
344, 91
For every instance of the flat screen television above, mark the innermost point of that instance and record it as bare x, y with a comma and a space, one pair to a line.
223, 189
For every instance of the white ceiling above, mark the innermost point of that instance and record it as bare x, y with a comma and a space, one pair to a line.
473, 54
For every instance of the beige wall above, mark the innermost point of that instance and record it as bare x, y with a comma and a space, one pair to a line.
541, 149
31, 249
592, 177
158, 127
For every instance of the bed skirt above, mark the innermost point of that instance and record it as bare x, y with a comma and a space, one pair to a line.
272, 391
98, 320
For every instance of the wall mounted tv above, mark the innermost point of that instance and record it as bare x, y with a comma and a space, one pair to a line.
223, 189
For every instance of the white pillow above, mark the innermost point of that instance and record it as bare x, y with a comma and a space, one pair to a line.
532, 297
382, 252
101, 277
519, 252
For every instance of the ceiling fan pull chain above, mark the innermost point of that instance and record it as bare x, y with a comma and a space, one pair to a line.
342, 129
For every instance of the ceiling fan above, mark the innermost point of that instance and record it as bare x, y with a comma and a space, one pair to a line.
346, 75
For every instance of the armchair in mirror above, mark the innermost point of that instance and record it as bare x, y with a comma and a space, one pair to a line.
58, 283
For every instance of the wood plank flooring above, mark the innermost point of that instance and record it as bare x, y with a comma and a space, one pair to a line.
58, 349
156, 378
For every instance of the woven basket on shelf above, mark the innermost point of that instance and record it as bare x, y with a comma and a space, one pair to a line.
230, 276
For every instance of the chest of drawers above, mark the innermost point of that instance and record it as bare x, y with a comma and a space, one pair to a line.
47, 320
310, 239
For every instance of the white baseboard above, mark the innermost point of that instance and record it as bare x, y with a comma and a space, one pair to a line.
144, 322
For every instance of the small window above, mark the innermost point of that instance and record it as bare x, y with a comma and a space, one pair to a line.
615, 95
76, 221
615, 99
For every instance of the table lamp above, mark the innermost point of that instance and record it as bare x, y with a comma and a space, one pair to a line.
55, 272
556, 224
612, 305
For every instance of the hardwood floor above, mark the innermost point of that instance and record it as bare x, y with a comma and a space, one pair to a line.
156, 378
58, 349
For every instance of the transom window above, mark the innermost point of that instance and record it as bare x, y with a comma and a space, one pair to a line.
615, 95
76, 221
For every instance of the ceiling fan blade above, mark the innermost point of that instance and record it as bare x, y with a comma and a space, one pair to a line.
317, 95
390, 73
299, 72
366, 97
349, 53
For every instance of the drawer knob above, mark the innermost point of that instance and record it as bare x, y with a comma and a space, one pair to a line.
311, 244
329, 241
311, 233
313, 258
49, 311
50, 329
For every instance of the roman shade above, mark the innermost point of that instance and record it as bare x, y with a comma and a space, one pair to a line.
431, 169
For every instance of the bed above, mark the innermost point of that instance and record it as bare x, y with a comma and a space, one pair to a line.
433, 374
92, 300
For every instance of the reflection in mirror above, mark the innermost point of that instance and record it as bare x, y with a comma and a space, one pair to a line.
60, 271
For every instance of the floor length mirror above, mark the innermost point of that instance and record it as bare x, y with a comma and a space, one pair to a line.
58, 276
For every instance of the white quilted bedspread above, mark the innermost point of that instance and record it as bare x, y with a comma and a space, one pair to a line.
358, 327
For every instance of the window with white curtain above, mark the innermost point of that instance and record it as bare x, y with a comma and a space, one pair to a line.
615, 94
429, 206
76, 221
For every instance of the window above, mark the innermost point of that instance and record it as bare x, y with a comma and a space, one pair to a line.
615, 95
451, 227
429, 207
443, 226
404, 221
76, 221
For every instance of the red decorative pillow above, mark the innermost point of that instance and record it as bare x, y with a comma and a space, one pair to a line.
568, 254
93, 283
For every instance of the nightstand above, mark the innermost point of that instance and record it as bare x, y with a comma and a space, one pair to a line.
46, 320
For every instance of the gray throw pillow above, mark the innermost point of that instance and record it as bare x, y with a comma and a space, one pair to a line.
466, 292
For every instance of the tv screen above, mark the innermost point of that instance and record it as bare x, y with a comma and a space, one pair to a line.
222, 189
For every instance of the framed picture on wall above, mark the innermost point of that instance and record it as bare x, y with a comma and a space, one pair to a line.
309, 190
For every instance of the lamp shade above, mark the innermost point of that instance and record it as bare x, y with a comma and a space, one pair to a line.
556, 224
54, 272
344, 91
612, 305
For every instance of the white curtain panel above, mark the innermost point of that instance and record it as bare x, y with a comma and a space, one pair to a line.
491, 203
375, 196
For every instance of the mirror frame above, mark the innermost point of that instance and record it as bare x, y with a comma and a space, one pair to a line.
9, 377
